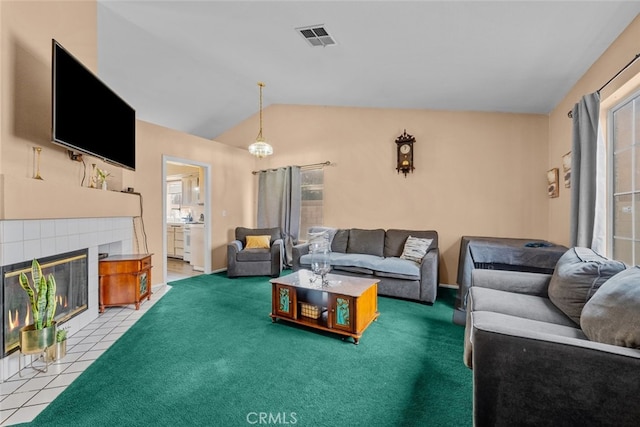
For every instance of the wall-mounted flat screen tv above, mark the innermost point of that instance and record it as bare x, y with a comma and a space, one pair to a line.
87, 115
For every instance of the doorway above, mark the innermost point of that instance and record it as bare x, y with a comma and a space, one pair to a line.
186, 225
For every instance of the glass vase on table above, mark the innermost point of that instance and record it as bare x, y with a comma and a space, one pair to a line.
321, 265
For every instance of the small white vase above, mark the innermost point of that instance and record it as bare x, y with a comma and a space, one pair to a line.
104, 185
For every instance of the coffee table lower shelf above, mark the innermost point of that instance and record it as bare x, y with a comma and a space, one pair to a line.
347, 307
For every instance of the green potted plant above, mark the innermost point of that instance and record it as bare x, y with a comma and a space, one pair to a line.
59, 350
102, 177
41, 333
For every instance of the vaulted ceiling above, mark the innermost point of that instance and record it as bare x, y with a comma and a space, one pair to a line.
194, 65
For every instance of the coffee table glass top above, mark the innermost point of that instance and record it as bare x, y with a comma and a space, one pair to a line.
338, 284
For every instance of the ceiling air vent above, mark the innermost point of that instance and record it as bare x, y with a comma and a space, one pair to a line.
316, 35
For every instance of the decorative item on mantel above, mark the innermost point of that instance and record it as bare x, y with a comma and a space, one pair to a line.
260, 148
404, 146
102, 177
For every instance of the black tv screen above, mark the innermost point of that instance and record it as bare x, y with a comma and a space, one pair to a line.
87, 115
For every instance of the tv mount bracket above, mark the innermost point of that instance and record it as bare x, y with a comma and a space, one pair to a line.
75, 157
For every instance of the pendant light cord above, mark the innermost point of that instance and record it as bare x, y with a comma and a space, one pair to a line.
260, 138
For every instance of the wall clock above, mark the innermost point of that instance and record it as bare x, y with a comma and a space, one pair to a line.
404, 145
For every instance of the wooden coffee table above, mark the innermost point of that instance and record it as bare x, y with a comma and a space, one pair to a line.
346, 305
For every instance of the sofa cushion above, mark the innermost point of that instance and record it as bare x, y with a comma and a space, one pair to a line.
258, 242
369, 242
352, 269
577, 276
340, 240
397, 268
612, 315
415, 249
514, 304
395, 239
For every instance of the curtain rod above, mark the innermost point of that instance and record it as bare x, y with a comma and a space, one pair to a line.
327, 163
635, 58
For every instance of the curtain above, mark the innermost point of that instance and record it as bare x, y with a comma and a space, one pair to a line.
583, 169
279, 200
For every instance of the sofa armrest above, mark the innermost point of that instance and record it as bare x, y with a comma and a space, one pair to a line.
233, 248
277, 257
511, 281
429, 275
297, 252
522, 377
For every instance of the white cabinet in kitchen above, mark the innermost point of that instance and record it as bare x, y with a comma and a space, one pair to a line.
197, 247
175, 240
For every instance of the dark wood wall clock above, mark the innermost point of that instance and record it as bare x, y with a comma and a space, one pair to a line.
404, 145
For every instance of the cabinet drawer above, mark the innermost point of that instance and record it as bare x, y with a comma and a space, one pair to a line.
124, 266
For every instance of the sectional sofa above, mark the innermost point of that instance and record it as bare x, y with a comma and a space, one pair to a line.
556, 349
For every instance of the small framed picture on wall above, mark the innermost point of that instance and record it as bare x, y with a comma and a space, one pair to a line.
566, 169
552, 182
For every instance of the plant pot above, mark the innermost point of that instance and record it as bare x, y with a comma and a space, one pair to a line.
34, 340
57, 351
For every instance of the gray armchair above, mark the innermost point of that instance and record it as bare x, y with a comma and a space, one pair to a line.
255, 262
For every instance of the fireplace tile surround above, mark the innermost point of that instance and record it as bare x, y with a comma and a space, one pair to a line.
24, 240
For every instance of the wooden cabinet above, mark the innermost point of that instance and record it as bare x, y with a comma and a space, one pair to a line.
124, 280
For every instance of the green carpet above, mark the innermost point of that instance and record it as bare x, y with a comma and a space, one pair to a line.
207, 354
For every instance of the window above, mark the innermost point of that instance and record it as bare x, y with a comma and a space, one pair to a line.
624, 134
312, 186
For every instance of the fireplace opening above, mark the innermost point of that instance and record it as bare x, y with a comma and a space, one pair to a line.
70, 271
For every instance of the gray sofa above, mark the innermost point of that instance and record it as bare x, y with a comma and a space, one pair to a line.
376, 253
555, 349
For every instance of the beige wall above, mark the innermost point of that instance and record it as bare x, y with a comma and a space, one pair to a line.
613, 59
26, 30
476, 173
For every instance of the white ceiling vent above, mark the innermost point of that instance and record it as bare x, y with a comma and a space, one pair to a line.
316, 35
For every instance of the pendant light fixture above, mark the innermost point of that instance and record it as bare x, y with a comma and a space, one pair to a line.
260, 148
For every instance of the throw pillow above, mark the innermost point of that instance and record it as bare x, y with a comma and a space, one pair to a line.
612, 315
578, 274
258, 242
415, 249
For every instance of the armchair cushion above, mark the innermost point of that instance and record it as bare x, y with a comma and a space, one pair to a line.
612, 315
243, 232
258, 242
577, 276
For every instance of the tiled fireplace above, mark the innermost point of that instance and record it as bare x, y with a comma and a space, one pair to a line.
23, 240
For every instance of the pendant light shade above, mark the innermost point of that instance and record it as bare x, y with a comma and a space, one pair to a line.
260, 148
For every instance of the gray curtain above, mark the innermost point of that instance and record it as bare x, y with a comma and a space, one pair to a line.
279, 199
583, 169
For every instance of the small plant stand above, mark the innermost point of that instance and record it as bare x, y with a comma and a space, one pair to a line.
40, 355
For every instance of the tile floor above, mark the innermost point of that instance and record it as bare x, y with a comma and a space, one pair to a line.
22, 397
